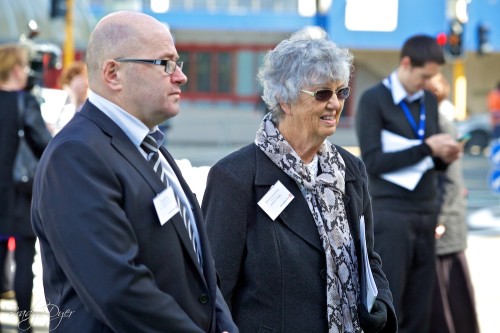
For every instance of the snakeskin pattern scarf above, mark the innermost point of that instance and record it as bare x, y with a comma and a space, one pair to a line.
323, 194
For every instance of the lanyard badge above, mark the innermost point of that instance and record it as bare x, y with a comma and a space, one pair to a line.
420, 129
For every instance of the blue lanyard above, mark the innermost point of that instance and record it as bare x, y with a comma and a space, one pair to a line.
420, 130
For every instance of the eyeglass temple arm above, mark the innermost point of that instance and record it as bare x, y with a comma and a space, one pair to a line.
311, 93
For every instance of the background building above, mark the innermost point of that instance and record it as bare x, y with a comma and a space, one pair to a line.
223, 41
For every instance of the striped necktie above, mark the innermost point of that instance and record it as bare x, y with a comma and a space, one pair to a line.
151, 148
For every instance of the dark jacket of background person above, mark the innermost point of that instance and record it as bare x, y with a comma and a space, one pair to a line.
453, 306
14, 200
405, 219
376, 111
263, 287
15, 205
453, 309
453, 211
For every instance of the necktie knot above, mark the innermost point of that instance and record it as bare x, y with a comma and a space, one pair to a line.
149, 145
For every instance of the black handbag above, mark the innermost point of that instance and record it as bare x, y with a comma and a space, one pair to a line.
25, 162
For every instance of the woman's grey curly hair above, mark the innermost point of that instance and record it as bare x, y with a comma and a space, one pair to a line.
305, 59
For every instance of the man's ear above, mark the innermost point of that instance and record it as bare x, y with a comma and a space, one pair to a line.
405, 62
110, 75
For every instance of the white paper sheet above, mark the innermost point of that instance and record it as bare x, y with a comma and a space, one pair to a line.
369, 289
407, 177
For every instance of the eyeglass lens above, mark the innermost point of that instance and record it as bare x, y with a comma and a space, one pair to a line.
171, 65
325, 95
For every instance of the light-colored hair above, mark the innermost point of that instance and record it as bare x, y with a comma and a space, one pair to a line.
305, 59
74, 69
439, 86
11, 55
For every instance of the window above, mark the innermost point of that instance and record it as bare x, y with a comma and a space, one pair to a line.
224, 72
203, 71
221, 73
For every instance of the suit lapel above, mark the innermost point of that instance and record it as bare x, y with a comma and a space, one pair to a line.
179, 225
126, 148
296, 216
121, 142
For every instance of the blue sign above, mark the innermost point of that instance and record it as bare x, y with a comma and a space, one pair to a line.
494, 180
495, 153
494, 174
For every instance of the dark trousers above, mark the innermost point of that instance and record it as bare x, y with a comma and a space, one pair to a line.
453, 305
405, 242
24, 256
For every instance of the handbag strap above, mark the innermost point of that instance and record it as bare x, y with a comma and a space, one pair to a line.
21, 107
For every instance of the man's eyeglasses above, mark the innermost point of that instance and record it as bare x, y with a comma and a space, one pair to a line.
324, 95
170, 65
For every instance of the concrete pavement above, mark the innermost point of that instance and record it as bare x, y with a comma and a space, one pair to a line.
482, 256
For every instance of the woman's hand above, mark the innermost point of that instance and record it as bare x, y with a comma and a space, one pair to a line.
374, 321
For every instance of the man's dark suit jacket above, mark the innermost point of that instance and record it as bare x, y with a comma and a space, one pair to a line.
109, 265
273, 273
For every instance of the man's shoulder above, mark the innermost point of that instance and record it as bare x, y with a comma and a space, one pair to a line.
375, 97
378, 89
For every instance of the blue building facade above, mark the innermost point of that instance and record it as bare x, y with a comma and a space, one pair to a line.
223, 41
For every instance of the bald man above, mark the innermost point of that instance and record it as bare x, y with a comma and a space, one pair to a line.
122, 238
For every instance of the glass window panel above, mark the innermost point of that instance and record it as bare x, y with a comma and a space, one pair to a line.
224, 5
290, 6
245, 69
245, 4
203, 72
200, 4
224, 72
266, 5
176, 5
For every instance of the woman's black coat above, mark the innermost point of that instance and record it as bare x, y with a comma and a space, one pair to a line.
272, 273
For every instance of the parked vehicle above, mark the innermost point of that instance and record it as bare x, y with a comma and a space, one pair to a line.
479, 128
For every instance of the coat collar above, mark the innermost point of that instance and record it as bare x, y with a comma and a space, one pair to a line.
296, 216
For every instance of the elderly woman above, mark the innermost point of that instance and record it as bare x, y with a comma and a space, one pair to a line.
283, 213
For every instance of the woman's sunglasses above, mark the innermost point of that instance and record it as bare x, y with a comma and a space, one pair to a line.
324, 95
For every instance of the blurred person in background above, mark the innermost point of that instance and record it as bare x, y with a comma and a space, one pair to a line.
397, 128
14, 201
453, 306
74, 81
494, 110
297, 267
